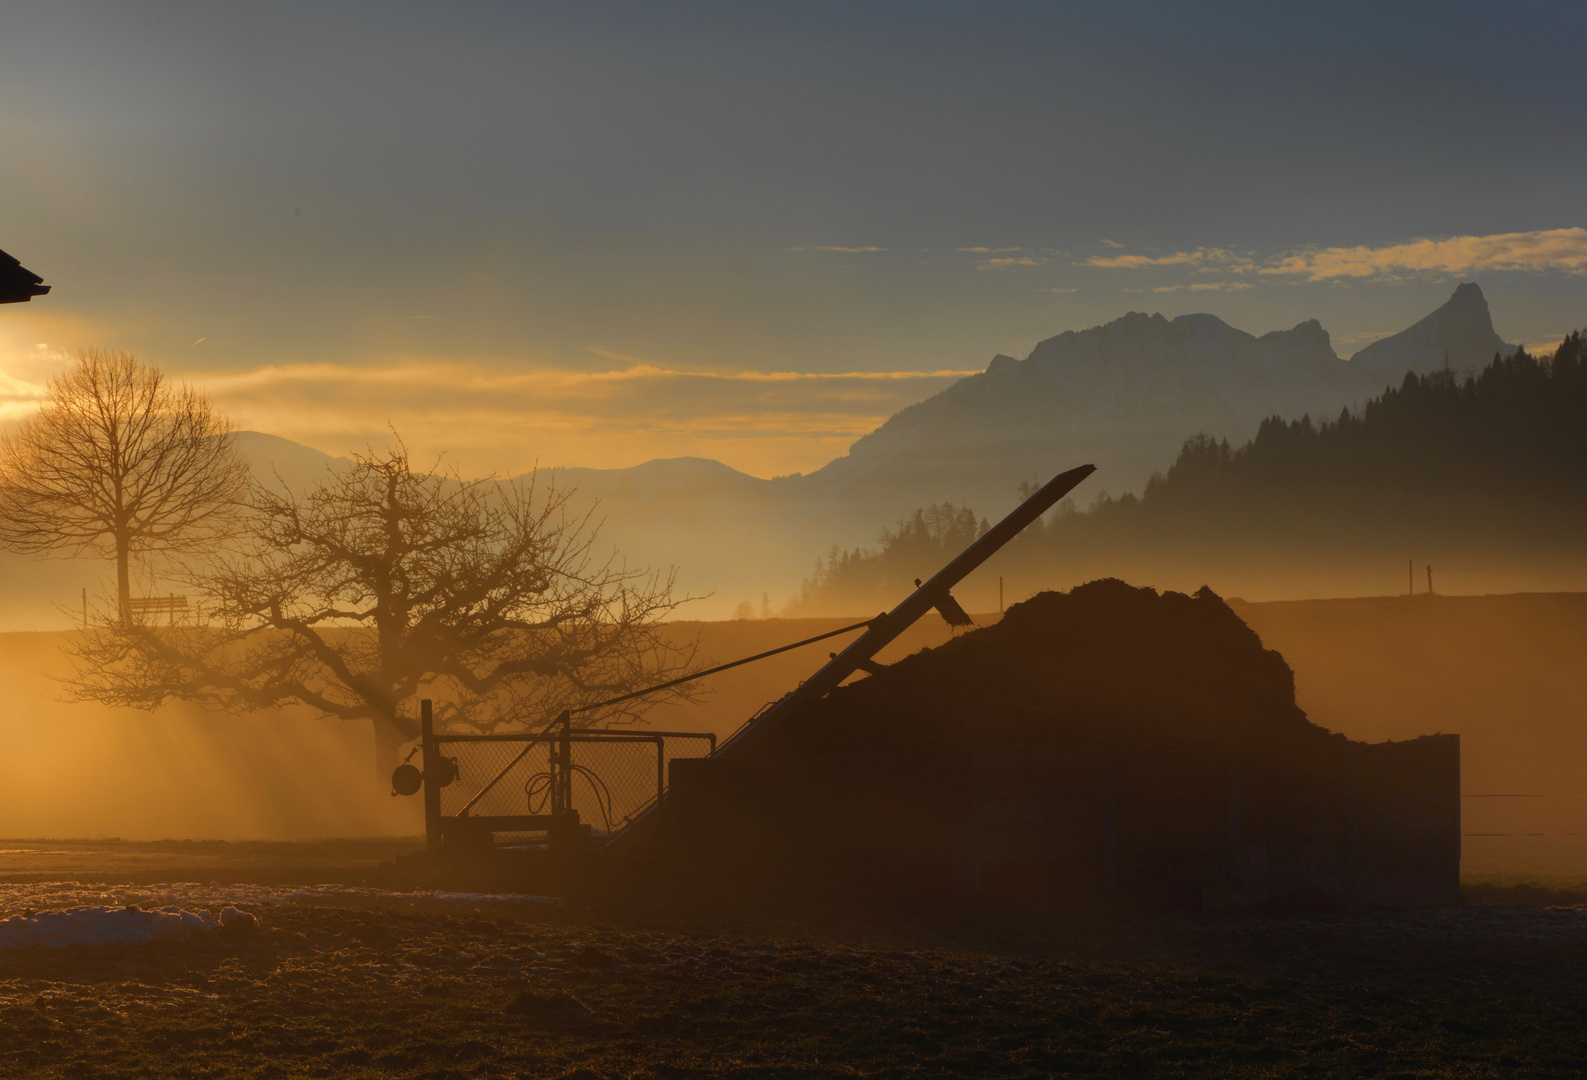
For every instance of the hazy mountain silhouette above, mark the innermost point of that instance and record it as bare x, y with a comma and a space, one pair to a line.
1458, 335
276, 461
1484, 476
1124, 395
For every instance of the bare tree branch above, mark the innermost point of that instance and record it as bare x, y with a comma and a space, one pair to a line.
382, 583
120, 462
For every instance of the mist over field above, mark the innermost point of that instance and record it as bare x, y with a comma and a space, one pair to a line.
1503, 671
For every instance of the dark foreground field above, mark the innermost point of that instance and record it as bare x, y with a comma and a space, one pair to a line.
359, 982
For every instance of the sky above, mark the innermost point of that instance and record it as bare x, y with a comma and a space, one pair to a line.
593, 234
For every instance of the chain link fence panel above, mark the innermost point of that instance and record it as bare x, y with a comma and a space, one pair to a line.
616, 774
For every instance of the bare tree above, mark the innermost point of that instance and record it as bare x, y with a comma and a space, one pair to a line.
118, 461
382, 582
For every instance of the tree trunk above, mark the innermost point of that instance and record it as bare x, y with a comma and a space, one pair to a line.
391, 734
123, 583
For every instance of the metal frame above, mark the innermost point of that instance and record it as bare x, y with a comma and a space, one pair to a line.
562, 824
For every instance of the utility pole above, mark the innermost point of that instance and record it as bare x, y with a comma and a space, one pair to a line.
1000, 594
1429, 580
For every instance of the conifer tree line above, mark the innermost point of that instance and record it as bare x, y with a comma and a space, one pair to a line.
1493, 460
913, 548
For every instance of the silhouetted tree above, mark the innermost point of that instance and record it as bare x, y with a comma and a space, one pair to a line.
917, 547
382, 583
121, 462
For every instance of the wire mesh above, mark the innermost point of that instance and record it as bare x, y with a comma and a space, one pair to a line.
615, 774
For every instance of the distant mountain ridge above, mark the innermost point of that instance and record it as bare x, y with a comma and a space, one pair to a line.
1124, 395
1128, 393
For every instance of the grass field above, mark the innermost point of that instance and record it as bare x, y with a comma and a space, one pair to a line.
355, 980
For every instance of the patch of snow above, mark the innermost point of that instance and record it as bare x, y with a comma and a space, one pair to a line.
235, 919
99, 926
38, 896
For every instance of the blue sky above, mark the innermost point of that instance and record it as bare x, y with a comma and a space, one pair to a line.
588, 233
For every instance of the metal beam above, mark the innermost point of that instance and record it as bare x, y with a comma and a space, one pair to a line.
884, 629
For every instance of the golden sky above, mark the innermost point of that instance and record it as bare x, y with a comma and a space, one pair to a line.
601, 234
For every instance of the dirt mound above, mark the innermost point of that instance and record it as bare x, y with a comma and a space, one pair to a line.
1106, 664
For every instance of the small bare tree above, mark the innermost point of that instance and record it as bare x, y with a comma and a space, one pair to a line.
121, 462
383, 582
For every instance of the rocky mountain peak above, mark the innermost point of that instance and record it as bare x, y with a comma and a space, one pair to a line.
1459, 336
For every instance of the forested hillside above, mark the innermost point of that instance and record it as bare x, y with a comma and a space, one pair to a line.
1485, 476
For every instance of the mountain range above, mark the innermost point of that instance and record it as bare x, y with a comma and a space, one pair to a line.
1124, 395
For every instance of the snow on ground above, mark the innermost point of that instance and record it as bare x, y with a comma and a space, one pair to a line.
99, 926
48, 895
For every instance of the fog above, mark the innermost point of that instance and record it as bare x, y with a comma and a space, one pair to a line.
1504, 672
82, 770
182, 772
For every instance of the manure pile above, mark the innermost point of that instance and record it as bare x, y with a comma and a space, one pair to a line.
1106, 664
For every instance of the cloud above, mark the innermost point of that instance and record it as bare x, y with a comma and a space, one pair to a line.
843, 250
490, 418
987, 250
613, 410
1202, 258
1105, 242
1004, 262
1546, 249
1058, 289
1205, 286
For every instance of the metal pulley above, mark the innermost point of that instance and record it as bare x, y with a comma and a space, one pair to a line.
445, 770
406, 780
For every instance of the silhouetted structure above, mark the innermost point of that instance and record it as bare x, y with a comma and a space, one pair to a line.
18, 284
1104, 748
472, 823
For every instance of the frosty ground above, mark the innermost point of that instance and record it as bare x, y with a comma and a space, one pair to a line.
352, 978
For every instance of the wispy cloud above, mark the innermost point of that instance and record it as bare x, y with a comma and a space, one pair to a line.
842, 250
429, 374
1006, 262
18, 397
1205, 286
1058, 289
987, 250
1545, 249
1201, 258
487, 417
1105, 242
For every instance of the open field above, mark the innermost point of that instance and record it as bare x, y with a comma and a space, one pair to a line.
349, 981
